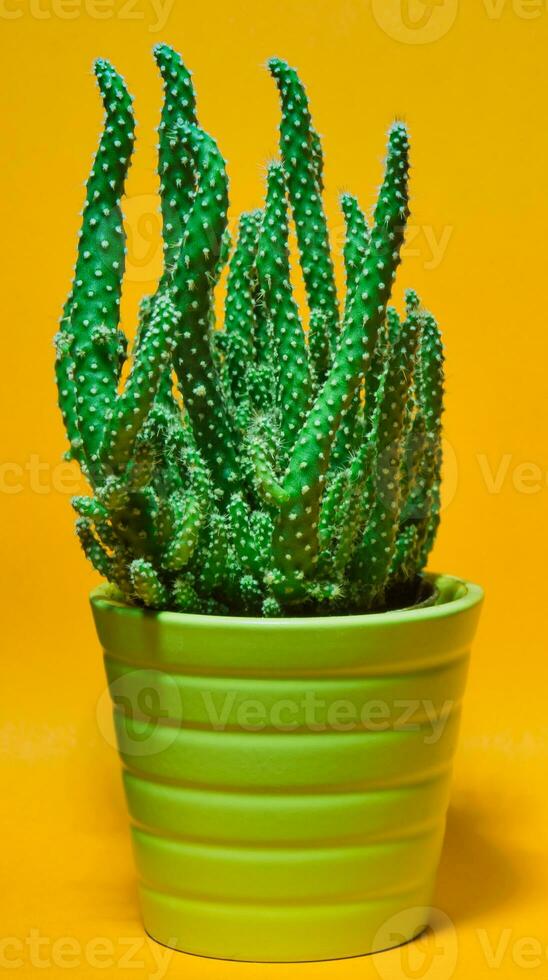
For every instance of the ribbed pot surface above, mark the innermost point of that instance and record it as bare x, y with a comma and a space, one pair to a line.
288, 780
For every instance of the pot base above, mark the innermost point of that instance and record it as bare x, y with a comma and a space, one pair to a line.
283, 934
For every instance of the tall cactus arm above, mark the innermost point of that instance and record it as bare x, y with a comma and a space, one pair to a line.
193, 356
431, 376
342, 514
294, 386
404, 561
430, 394
296, 538
300, 159
356, 241
355, 249
164, 399
375, 553
239, 312
93, 365
413, 453
421, 469
414, 435
174, 168
426, 540
151, 359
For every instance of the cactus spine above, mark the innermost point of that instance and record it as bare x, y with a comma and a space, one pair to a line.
294, 471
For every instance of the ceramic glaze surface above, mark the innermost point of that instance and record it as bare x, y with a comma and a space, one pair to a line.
288, 780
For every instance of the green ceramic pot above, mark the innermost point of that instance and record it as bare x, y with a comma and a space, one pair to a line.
288, 779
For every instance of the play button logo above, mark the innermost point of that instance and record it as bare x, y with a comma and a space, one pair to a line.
415, 21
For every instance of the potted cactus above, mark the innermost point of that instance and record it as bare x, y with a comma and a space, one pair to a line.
264, 496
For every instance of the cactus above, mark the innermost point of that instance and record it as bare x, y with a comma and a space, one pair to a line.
265, 466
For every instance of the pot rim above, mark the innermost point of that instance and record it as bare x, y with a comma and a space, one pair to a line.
455, 595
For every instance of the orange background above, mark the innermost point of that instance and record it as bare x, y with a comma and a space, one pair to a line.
470, 78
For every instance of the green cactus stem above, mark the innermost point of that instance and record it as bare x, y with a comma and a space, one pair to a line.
301, 155
152, 357
356, 241
88, 351
240, 321
348, 437
375, 555
431, 380
273, 464
294, 388
296, 543
200, 383
175, 168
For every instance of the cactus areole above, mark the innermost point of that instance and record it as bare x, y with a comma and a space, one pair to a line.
284, 462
